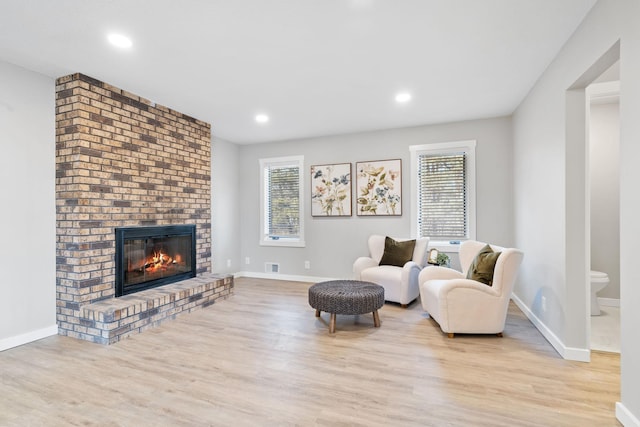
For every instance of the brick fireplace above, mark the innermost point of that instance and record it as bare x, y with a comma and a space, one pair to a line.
123, 161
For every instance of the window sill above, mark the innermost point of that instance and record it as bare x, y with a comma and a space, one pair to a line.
284, 243
445, 246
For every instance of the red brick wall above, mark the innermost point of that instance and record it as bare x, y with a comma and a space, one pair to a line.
121, 160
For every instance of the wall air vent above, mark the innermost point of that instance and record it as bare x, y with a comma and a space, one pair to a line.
271, 267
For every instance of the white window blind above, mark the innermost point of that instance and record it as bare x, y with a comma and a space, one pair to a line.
283, 201
442, 193
281, 196
443, 182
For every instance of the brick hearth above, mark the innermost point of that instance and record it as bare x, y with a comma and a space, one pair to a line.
124, 161
109, 321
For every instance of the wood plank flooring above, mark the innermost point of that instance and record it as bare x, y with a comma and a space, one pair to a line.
262, 358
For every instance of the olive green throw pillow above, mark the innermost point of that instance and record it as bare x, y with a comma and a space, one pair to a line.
481, 269
397, 253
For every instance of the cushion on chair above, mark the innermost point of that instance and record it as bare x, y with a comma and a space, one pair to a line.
397, 253
481, 269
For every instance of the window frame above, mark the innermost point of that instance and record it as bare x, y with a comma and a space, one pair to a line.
443, 148
265, 240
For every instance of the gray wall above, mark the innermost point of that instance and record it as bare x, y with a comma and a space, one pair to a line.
548, 166
27, 174
604, 162
225, 221
332, 244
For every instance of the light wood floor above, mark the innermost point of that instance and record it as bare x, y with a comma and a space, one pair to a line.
262, 358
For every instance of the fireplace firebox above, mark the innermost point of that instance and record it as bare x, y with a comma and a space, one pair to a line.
147, 257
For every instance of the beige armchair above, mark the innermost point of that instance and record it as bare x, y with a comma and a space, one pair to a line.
400, 283
462, 305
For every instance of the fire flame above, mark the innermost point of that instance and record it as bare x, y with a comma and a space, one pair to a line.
158, 260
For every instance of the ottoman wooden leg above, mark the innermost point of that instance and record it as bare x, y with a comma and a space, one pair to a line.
317, 313
376, 319
332, 323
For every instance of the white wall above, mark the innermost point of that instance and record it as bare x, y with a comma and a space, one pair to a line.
334, 243
225, 221
604, 168
27, 174
549, 186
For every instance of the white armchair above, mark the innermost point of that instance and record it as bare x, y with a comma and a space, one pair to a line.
461, 305
400, 283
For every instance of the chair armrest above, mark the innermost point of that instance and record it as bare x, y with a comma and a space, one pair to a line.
467, 284
410, 274
411, 268
439, 273
409, 265
463, 305
362, 264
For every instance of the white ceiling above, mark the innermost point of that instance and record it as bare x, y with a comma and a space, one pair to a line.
316, 67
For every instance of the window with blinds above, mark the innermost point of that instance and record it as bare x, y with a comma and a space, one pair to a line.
442, 194
443, 184
282, 214
283, 201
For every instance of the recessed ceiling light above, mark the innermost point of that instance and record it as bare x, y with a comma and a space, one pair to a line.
262, 118
119, 40
403, 97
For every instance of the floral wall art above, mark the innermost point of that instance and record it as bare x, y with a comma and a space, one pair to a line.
379, 187
331, 190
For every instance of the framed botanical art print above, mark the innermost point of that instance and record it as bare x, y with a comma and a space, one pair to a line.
331, 190
379, 187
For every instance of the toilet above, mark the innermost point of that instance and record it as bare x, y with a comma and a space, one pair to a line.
598, 282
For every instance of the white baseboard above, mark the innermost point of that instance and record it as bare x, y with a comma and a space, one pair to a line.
625, 416
609, 302
288, 277
18, 340
569, 353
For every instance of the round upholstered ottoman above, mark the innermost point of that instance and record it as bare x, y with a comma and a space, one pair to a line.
346, 297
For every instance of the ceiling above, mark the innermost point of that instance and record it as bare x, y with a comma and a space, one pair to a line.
315, 67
